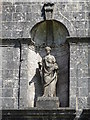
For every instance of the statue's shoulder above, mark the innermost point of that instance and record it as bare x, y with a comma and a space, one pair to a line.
47, 57
52, 57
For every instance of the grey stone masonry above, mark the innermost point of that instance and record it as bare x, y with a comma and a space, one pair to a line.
10, 73
79, 72
13, 73
89, 75
18, 18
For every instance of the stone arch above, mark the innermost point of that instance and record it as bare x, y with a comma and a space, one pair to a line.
67, 23
60, 49
43, 24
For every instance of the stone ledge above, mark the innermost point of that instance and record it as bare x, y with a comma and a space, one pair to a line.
37, 113
28, 40
17, 40
78, 39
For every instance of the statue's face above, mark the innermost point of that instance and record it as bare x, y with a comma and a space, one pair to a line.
48, 52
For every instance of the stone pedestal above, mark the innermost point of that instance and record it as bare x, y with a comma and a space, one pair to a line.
47, 102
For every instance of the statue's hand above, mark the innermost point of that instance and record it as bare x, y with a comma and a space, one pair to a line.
55, 66
40, 65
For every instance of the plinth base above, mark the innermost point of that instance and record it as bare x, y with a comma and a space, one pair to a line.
47, 102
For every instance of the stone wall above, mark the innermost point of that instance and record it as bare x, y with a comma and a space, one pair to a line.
10, 73
19, 17
79, 73
89, 75
17, 20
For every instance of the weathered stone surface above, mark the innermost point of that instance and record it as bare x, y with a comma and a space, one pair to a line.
28, 16
27, 8
19, 8
7, 26
83, 92
7, 92
10, 73
19, 17
79, 75
47, 102
73, 101
18, 26
8, 103
39, 114
8, 8
22, 11
7, 16
82, 102
17, 34
6, 34
17, 20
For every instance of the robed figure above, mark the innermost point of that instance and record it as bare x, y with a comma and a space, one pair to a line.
48, 71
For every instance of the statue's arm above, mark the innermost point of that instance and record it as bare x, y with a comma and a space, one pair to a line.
40, 65
56, 66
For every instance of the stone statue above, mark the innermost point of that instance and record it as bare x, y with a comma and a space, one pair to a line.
48, 71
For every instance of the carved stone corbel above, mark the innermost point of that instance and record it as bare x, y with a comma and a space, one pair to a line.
48, 10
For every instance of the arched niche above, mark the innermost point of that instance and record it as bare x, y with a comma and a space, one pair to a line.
42, 31
50, 33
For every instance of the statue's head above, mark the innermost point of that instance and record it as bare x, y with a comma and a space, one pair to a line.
48, 49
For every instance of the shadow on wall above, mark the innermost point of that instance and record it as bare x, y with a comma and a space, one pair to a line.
38, 86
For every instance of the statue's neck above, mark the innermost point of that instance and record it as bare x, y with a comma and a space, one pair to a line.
48, 54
